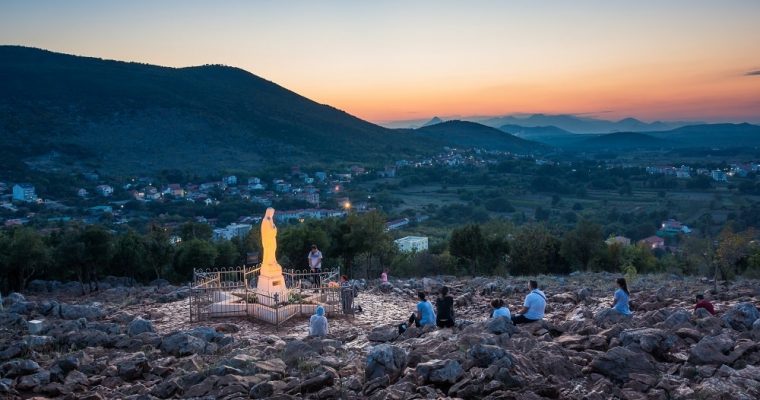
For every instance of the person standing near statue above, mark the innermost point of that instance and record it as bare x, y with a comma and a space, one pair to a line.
315, 263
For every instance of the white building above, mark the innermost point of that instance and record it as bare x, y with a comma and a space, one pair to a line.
719, 176
232, 231
411, 244
24, 192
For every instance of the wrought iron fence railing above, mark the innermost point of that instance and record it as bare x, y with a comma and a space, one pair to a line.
232, 292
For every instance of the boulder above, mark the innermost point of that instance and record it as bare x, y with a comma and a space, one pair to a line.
499, 326
610, 316
67, 363
584, 294
385, 333
619, 362
274, 367
385, 360
12, 369
741, 316
439, 372
13, 298
263, 390
166, 389
653, 341
386, 287
77, 311
22, 307
677, 319
483, 355
133, 366
316, 383
15, 349
33, 381
295, 351
138, 326
38, 343
712, 350
181, 344
702, 313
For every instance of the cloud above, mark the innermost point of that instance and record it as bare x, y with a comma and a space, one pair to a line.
752, 73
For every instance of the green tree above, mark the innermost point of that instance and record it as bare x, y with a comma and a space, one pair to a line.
193, 254
294, 243
469, 246
97, 252
535, 250
25, 255
129, 256
195, 230
733, 247
582, 244
159, 251
227, 254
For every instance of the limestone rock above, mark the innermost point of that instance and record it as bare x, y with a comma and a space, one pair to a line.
76, 311
619, 362
712, 350
439, 372
138, 326
484, 355
385, 360
741, 316
385, 333
182, 344
653, 341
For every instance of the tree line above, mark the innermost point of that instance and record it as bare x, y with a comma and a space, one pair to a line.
361, 247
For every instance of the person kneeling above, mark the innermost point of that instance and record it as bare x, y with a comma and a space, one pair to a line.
533, 308
318, 323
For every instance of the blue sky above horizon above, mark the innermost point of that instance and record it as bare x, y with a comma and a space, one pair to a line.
400, 60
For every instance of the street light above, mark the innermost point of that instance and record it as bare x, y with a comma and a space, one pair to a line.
347, 205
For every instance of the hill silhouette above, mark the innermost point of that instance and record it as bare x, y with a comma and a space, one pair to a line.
139, 118
623, 140
471, 134
579, 124
713, 135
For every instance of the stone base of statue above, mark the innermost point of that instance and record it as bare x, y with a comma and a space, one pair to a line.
270, 288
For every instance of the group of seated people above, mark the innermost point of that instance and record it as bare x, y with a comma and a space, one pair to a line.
532, 310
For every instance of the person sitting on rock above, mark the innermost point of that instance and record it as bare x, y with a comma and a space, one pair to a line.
500, 309
444, 308
534, 306
425, 316
704, 303
622, 296
318, 323
384, 276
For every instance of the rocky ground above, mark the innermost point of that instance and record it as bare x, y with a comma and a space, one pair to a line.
137, 342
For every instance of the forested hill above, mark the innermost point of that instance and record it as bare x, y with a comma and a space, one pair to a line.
137, 117
471, 134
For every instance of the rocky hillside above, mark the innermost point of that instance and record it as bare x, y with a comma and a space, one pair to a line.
137, 343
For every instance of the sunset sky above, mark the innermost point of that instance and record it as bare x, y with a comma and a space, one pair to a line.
398, 60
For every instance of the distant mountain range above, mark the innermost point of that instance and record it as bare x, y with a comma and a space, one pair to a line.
576, 124
567, 122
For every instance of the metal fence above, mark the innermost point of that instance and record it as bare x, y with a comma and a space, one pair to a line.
231, 292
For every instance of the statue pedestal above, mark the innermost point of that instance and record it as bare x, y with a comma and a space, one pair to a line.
270, 285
